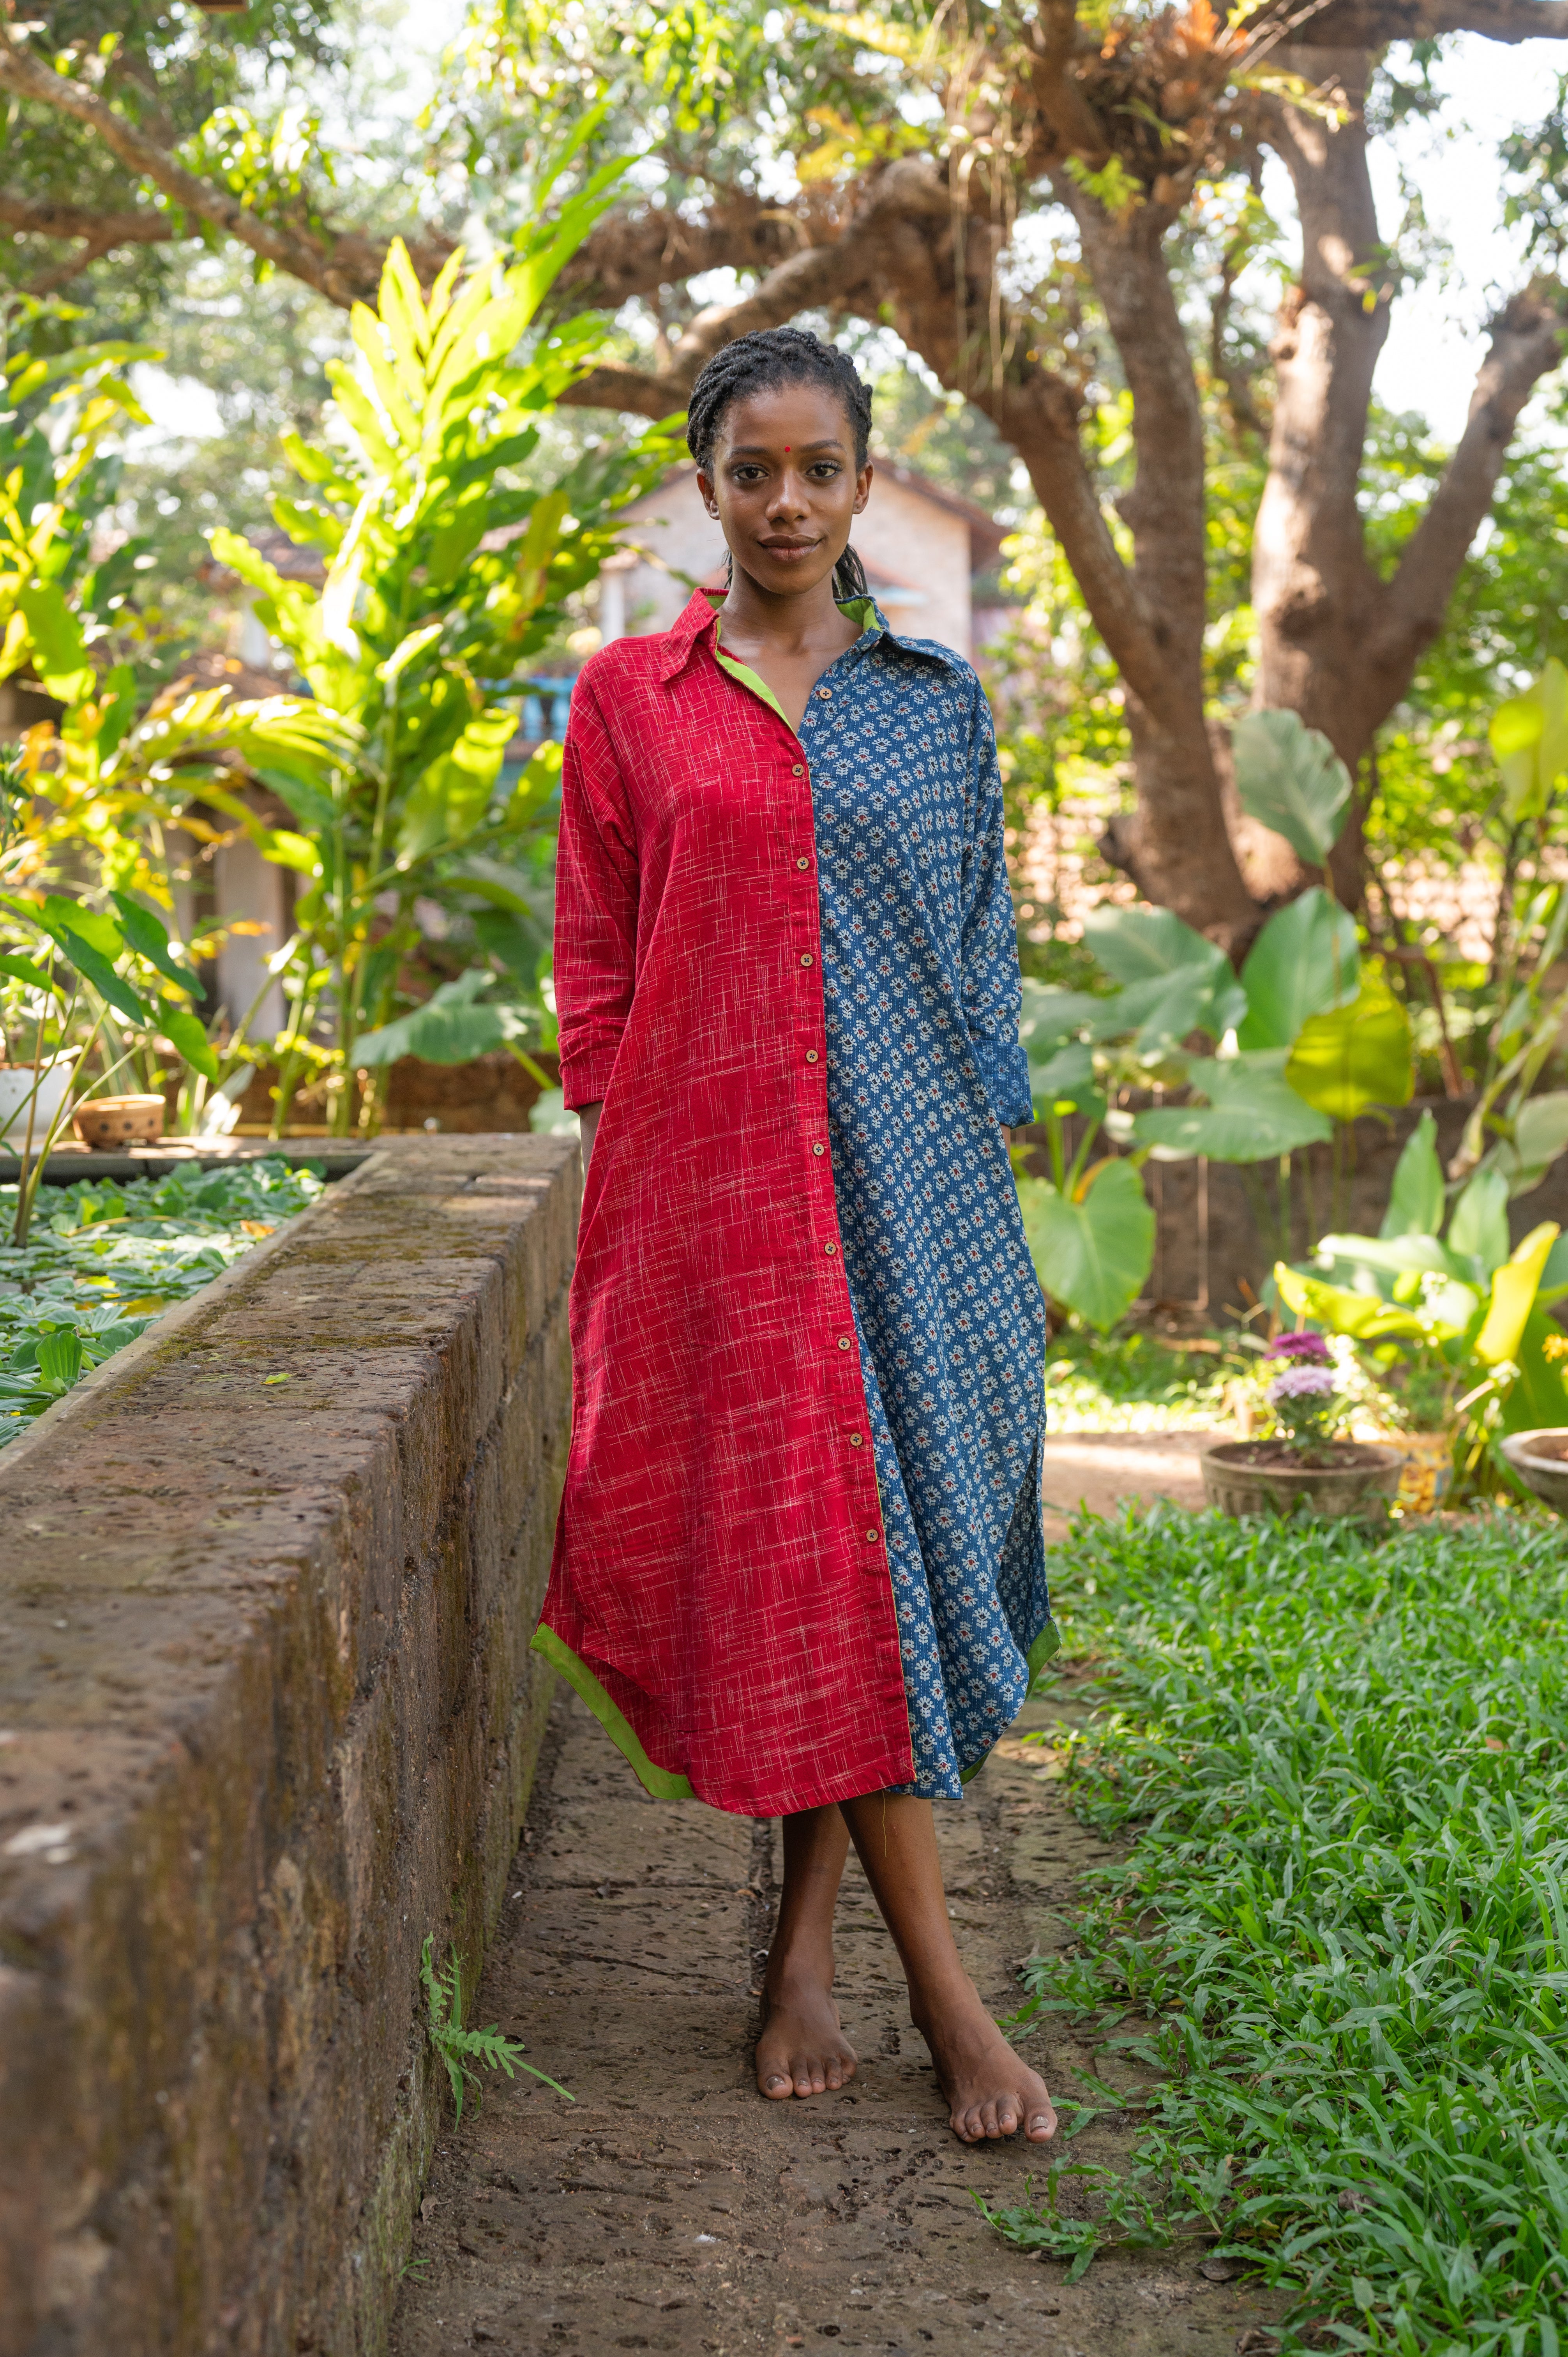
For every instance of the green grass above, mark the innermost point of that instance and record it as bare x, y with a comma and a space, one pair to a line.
1134, 1382
1340, 1930
105, 1259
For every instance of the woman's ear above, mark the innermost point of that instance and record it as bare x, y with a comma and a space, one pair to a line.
706, 486
862, 487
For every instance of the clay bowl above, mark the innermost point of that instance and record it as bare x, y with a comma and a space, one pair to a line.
105, 1123
1541, 1460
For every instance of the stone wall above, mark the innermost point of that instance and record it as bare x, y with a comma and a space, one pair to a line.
268, 1717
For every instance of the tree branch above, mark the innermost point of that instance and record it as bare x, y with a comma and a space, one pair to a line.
1372, 23
343, 268
1527, 342
53, 218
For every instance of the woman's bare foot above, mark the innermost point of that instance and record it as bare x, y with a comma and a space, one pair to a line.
801, 2049
990, 2092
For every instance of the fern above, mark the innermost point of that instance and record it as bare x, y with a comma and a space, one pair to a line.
461, 2048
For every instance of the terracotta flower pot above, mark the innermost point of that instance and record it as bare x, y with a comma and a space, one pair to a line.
1358, 1485
1540, 1459
105, 1123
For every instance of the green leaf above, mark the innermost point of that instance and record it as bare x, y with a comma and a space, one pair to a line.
1528, 737
1416, 1198
1049, 1015
1134, 945
1356, 1057
150, 937
187, 1035
1176, 981
1290, 779
21, 969
1303, 963
59, 648
1478, 1231
1064, 1078
60, 1359
1253, 1115
454, 795
1094, 1252
1540, 1136
71, 926
450, 1028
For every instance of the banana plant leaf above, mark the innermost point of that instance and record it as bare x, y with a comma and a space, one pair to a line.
1092, 1251
450, 1028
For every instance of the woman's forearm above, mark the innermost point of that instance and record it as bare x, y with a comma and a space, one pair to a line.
588, 1121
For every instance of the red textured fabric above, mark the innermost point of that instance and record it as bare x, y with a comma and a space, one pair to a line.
719, 1564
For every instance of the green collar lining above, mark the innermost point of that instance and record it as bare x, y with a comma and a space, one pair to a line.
859, 610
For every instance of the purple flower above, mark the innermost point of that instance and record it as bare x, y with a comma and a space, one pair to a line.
1308, 1349
1301, 1383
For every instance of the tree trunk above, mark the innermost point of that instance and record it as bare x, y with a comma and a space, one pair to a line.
1338, 643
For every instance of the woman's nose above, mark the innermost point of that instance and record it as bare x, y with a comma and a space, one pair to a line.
788, 496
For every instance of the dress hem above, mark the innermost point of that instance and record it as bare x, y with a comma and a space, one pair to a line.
663, 1784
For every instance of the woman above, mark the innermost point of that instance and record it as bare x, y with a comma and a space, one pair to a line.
799, 1567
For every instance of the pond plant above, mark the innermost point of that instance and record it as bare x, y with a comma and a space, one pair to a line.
103, 1259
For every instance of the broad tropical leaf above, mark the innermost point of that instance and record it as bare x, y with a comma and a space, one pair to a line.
1513, 1296
1478, 1231
1528, 737
449, 1028
1289, 778
1303, 963
1094, 1251
1416, 1198
1253, 1115
1356, 1057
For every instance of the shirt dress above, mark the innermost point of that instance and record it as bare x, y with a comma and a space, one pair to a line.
799, 1554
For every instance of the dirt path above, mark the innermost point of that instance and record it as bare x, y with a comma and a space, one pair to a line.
670, 2208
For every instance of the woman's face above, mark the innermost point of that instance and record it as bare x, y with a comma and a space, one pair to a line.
784, 485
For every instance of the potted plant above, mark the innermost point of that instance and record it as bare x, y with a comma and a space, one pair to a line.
1301, 1462
1446, 1321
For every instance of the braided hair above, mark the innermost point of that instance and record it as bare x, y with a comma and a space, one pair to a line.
763, 362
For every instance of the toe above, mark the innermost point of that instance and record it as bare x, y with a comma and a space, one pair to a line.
835, 2074
1042, 2125
776, 2085
988, 2127
1006, 2117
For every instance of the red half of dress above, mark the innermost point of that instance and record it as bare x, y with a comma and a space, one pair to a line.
720, 1594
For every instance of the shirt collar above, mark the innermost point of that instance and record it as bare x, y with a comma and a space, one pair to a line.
699, 617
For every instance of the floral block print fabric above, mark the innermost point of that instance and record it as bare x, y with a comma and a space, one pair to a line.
799, 1554
920, 982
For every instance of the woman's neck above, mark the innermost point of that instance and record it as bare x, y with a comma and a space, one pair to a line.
806, 621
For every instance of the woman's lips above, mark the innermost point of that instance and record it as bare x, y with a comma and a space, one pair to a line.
788, 551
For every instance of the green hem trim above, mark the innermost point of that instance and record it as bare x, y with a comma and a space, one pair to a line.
1048, 1642
659, 1781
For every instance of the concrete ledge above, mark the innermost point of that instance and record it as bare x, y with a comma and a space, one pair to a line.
267, 1717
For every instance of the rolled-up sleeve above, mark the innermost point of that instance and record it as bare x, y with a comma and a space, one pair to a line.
596, 905
991, 991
